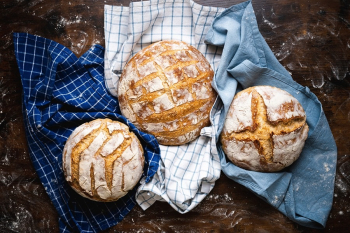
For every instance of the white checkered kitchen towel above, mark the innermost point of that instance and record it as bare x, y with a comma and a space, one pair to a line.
186, 173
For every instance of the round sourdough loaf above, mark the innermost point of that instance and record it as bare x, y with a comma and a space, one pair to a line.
265, 129
165, 90
103, 160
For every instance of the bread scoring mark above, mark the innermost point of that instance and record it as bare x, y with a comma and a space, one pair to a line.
130, 163
176, 133
174, 45
200, 90
165, 61
127, 155
153, 85
78, 150
195, 55
262, 132
154, 50
194, 117
202, 66
112, 126
178, 68
191, 71
181, 138
142, 109
182, 66
162, 103
240, 115
147, 69
128, 113
98, 178
205, 108
183, 56
93, 176
87, 158
112, 144
174, 114
161, 126
181, 96
134, 92
81, 132
168, 78
130, 166
174, 76
186, 83
280, 106
117, 180
142, 60
129, 84
115, 155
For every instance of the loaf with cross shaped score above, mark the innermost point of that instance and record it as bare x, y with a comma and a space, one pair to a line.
165, 90
265, 129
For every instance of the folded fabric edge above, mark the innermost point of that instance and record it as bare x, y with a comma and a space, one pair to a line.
233, 8
147, 196
144, 192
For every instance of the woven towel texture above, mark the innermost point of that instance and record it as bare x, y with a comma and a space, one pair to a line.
186, 173
60, 92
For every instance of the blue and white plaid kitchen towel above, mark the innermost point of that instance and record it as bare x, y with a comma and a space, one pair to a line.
303, 191
186, 173
60, 92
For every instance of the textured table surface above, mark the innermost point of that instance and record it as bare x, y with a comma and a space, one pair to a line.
311, 39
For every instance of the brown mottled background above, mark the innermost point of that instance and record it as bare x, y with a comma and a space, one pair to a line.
310, 38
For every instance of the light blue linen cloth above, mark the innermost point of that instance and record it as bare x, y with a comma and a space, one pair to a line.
303, 191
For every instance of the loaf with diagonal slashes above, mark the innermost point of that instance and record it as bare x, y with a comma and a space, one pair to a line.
103, 160
165, 90
265, 129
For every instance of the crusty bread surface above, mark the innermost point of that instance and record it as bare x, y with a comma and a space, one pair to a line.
103, 160
165, 90
265, 129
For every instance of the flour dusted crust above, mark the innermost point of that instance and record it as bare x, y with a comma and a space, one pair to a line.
103, 160
265, 129
165, 90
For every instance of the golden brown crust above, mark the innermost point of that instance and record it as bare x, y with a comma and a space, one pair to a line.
165, 90
265, 129
90, 157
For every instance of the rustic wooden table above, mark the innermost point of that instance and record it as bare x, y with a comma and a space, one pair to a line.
310, 38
